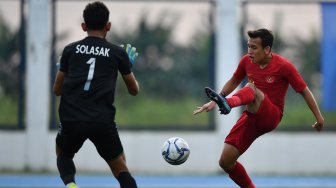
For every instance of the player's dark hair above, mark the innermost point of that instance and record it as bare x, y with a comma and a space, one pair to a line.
96, 15
265, 35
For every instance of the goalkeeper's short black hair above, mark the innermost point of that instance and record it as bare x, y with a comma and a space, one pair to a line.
96, 15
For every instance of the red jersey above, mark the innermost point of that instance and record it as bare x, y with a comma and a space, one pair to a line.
274, 79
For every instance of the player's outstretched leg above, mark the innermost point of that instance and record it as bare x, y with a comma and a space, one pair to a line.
222, 103
243, 96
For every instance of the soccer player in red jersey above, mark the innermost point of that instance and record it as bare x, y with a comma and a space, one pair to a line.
269, 76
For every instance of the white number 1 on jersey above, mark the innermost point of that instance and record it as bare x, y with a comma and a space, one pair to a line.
91, 62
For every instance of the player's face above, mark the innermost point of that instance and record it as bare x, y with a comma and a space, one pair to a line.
257, 53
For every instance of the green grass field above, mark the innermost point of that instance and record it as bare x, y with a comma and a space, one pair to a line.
298, 116
8, 111
153, 113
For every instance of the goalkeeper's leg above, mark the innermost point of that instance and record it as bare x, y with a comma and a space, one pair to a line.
120, 171
66, 167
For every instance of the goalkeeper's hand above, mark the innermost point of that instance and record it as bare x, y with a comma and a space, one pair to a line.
131, 51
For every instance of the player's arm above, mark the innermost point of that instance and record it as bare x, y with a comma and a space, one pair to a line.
312, 104
230, 85
129, 79
57, 88
131, 84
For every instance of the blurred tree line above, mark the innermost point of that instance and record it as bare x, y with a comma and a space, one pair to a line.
168, 70
9, 60
9, 75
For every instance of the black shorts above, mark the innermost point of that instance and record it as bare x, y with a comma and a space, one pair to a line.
105, 137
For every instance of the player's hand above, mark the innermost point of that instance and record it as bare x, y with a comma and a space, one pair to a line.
206, 107
131, 51
318, 126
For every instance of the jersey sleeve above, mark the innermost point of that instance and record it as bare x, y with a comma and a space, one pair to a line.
64, 59
293, 77
240, 72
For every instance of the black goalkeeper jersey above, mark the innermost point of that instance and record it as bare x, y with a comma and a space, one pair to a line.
91, 68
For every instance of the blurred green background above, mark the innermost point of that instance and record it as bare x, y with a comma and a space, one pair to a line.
171, 75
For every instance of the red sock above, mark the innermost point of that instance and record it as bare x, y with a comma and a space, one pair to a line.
239, 175
244, 96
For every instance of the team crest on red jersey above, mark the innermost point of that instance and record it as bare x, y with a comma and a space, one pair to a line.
269, 79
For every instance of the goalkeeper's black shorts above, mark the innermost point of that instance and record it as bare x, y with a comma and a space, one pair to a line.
105, 137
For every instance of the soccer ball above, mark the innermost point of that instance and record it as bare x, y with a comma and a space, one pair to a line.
175, 150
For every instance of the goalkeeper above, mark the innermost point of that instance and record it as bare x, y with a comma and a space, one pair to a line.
86, 82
